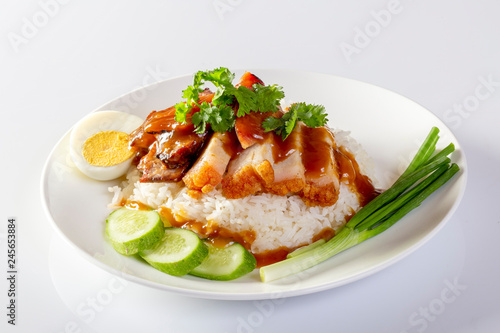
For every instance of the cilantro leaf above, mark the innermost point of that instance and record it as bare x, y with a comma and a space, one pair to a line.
311, 115
282, 126
222, 97
219, 77
220, 118
191, 94
181, 111
260, 99
268, 97
220, 115
246, 100
272, 124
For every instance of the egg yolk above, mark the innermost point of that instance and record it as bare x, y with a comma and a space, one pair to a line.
107, 148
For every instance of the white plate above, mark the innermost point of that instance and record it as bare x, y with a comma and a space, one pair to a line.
389, 126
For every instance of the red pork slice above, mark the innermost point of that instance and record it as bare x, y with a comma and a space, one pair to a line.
249, 127
321, 172
208, 170
248, 80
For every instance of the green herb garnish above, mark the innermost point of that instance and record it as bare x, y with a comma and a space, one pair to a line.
425, 174
220, 115
221, 118
311, 115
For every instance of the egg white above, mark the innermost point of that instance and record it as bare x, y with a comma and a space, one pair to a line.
92, 124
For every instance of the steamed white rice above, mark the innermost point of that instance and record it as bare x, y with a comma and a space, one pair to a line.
277, 221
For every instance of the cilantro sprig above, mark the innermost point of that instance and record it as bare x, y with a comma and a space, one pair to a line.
311, 115
221, 118
219, 113
261, 98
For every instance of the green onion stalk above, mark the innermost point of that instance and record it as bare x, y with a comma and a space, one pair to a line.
425, 174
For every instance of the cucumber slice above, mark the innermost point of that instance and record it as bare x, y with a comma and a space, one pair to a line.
226, 263
131, 231
179, 251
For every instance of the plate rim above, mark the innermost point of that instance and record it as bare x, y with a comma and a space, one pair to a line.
260, 295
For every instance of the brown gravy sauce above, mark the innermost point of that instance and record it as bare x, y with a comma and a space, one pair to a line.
349, 173
271, 257
281, 149
316, 152
232, 146
316, 156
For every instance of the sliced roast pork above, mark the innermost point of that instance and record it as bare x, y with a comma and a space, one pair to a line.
209, 168
155, 170
249, 127
166, 147
244, 161
158, 122
321, 171
250, 171
289, 171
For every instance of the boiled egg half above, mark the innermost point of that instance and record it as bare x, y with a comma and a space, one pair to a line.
99, 144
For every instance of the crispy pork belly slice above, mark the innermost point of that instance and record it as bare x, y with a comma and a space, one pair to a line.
289, 171
154, 170
321, 172
207, 171
250, 172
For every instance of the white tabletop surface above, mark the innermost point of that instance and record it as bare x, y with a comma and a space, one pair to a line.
63, 59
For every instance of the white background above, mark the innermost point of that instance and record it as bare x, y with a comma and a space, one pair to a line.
61, 60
